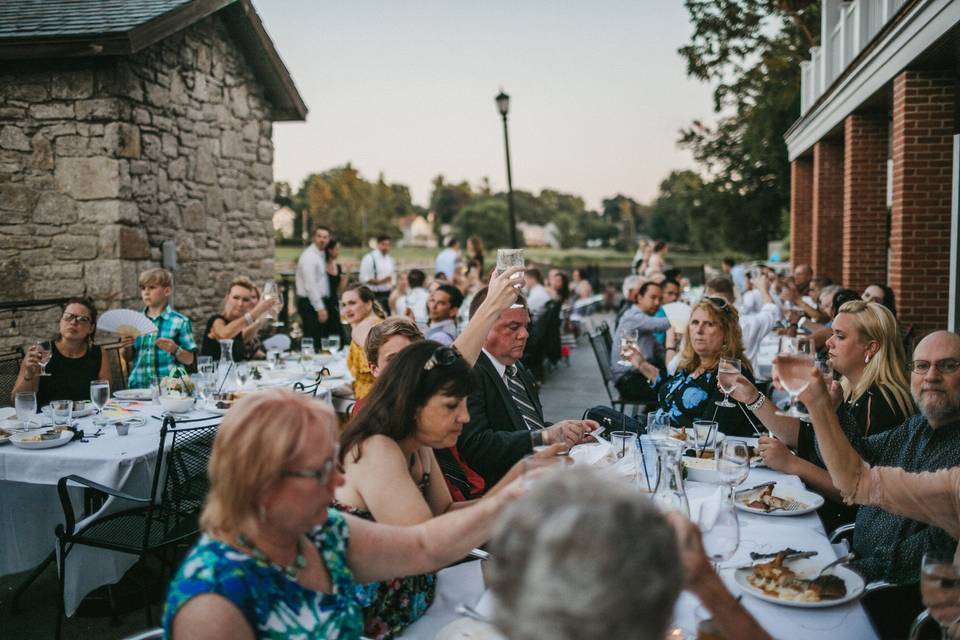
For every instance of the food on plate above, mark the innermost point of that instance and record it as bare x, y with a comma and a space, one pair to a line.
780, 581
226, 400
764, 500
5, 434
680, 434
52, 434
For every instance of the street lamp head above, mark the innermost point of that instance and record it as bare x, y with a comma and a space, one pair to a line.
503, 103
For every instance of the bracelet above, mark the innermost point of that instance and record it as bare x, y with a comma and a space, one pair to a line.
248, 318
756, 404
176, 354
672, 348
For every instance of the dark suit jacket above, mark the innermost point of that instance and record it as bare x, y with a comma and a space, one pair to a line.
496, 436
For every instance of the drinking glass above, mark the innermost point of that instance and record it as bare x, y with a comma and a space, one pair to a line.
99, 396
624, 445
939, 582
306, 346
658, 425
273, 356
727, 374
155, 389
202, 385
334, 342
46, 352
25, 404
794, 360
62, 411
733, 462
507, 258
203, 360
207, 368
272, 292
719, 528
628, 344
705, 432
243, 371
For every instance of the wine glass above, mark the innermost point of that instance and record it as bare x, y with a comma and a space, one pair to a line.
25, 404
507, 258
628, 344
794, 360
826, 370
243, 373
720, 529
940, 582
46, 352
727, 374
272, 292
99, 396
733, 462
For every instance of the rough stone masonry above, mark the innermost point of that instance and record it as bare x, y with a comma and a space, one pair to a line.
101, 160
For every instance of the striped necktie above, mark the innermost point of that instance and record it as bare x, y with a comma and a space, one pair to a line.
522, 400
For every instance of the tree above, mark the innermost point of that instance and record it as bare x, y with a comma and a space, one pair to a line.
487, 218
752, 50
446, 201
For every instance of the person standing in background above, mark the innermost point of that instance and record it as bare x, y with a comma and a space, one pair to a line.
312, 284
446, 262
379, 272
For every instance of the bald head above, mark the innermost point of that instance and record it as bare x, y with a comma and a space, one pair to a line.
937, 394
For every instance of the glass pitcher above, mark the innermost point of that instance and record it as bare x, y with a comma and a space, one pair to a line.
670, 494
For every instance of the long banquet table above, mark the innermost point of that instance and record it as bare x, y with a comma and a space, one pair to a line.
30, 508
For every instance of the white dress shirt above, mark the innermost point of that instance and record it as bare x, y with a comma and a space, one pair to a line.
447, 262
376, 265
416, 301
311, 281
755, 327
537, 300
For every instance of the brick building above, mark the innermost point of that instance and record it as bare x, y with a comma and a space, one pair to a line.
874, 155
127, 124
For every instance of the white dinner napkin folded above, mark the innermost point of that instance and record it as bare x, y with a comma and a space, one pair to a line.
705, 510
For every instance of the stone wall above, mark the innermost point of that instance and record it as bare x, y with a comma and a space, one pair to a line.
102, 160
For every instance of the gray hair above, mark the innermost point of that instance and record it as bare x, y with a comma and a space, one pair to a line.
631, 283
550, 583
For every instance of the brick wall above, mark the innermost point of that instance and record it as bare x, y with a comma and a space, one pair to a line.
923, 123
801, 210
826, 255
864, 200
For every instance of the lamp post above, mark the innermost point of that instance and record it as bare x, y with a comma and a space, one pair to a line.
503, 106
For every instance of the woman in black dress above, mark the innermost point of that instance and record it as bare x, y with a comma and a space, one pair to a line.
338, 283
237, 313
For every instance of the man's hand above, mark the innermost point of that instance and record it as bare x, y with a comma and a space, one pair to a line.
167, 345
322, 315
502, 290
571, 432
126, 342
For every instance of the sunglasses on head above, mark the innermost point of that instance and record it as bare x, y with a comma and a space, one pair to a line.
442, 356
720, 303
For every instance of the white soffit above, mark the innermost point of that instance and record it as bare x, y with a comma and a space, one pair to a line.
911, 36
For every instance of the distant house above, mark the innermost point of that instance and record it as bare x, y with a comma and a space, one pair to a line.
540, 235
417, 232
128, 123
283, 222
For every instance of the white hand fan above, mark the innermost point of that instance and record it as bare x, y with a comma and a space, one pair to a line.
126, 322
678, 314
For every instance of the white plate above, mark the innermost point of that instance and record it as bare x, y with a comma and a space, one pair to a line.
17, 440
38, 421
805, 569
211, 407
813, 501
467, 629
4, 439
132, 394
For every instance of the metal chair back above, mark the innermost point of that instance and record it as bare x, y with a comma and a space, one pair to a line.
602, 353
118, 366
9, 370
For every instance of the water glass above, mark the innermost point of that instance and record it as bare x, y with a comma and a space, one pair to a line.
334, 342
243, 370
273, 358
705, 432
203, 360
658, 425
99, 396
306, 346
720, 528
155, 390
207, 368
628, 344
25, 404
62, 411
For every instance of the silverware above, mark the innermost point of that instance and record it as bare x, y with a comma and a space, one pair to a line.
841, 560
473, 614
479, 554
754, 488
799, 555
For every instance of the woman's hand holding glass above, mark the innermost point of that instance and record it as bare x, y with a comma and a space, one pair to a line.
31, 361
744, 391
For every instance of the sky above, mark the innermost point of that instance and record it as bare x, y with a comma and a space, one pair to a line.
598, 92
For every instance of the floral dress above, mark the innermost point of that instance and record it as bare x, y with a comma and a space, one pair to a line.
686, 398
360, 369
274, 605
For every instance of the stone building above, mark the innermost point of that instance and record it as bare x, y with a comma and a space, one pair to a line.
125, 124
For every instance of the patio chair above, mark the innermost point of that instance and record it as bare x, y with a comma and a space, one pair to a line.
607, 335
919, 623
9, 369
152, 524
118, 366
310, 389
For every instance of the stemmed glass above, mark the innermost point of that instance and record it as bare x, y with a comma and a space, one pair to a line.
507, 258
99, 396
243, 373
628, 344
939, 583
272, 292
25, 404
46, 352
733, 462
727, 374
720, 529
794, 360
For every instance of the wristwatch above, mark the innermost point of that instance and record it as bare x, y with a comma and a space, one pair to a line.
176, 354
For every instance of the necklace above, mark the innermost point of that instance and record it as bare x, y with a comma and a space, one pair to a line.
291, 570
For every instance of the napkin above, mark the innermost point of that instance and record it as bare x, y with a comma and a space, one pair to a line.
706, 509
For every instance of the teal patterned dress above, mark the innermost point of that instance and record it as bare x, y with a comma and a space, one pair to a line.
274, 605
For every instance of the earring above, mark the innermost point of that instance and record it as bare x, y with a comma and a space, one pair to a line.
866, 359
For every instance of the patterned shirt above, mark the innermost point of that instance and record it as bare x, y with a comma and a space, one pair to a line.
890, 546
685, 398
150, 361
274, 605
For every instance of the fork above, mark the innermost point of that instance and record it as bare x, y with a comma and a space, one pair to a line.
473, 614
841, 560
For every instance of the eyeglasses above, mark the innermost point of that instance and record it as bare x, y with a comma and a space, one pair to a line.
321, 475
720, 303
72, 317
945, 367
443, 356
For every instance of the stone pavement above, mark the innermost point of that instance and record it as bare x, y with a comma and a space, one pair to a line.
566, 393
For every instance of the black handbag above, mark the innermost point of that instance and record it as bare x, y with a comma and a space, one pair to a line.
613, 420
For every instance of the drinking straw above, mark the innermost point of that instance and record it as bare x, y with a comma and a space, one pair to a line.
225, 376
643, 462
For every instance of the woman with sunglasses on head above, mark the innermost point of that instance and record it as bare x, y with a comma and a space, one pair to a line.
275, 561
74, 360
692, 393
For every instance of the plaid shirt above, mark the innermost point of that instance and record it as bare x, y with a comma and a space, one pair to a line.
148, 360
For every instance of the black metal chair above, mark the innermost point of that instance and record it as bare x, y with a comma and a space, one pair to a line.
310, 388
919, 623
607, 335
118, 366
9, 369
152, 524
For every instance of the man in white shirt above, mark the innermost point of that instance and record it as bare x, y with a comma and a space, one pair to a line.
312, 285
537, 294
447, 259
414, 304
753, 326
378, 271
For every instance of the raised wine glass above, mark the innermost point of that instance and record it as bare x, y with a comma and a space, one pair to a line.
794, 360
46, 352
727, 374
507, 258
628, 344
940, 582
272, 292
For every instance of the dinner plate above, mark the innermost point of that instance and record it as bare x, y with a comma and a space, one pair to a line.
5, 436
38, 421
132, 394
813, 501
468, 629
211, 407
806, 569
23, 440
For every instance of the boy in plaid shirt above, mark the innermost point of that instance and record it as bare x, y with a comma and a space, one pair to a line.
154, 354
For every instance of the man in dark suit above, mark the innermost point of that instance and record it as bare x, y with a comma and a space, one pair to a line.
506, 418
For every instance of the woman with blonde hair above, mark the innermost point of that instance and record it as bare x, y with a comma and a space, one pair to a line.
360, 308
274, 559
238, 312
691, 393
873, 396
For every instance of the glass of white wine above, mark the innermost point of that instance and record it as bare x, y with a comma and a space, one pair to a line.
99, 396
628, 344
727, 374
507, 258
793, 367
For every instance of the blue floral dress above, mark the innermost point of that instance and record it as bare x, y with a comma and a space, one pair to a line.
685, 398
274, 605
